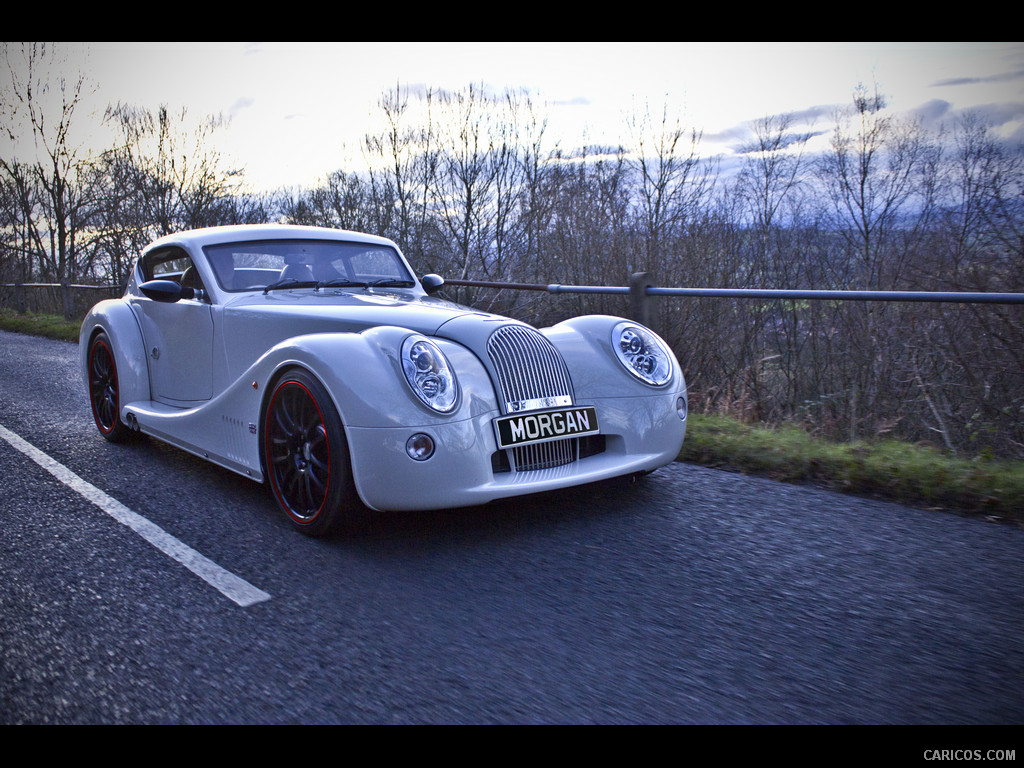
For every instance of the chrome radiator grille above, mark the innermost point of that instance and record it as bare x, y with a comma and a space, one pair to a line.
545, 455
531, 374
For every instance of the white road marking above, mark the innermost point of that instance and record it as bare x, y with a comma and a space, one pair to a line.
230, 585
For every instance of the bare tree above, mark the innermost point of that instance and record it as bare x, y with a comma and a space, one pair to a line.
402, 160
871, 175
178, 177
672, 184
342, 201
50, 188
773, 161
978, 245
164, 174
586, 241
767, 193
463, 191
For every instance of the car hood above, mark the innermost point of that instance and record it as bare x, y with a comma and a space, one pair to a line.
318, 312
255, 322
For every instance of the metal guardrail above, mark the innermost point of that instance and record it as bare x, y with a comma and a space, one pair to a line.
648, 289
641, 290
639, 283
755, 293
59, 285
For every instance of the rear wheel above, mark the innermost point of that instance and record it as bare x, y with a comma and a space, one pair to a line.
306, 455
104, 390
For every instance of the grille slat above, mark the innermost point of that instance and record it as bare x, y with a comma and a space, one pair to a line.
545, 455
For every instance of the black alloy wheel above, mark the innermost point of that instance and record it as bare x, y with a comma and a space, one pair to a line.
104, 393
306, 455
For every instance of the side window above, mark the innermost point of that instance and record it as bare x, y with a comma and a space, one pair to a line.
170, 264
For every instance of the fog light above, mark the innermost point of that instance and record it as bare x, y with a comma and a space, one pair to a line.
420, 447
681, 408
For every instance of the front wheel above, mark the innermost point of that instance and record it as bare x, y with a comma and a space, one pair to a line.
306, 455
104, 390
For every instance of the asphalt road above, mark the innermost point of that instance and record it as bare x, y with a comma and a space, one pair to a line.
693, 596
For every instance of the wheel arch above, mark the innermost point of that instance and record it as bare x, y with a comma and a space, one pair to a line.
116, 319
361, 375
268, 393
341, 495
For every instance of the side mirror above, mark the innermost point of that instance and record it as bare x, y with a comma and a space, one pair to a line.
432, 283
168, 291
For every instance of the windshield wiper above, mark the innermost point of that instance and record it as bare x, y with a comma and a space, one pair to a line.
340, 282
290, 282
391, 282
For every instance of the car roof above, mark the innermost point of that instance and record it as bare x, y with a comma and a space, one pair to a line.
242, 232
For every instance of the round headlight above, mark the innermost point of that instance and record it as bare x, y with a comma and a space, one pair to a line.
429, 374
642, 353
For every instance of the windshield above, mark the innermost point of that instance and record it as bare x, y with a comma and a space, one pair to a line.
258, 265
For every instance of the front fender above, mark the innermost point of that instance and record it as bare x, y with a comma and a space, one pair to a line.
586, 346
363, 374
116, 319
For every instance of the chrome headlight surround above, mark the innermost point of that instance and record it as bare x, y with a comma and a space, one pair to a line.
429, 374
643, 354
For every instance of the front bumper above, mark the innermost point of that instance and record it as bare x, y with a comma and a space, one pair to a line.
639, 434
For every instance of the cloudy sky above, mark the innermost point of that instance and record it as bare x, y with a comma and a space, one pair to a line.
299, 110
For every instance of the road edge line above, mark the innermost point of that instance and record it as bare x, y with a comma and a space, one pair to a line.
231, 586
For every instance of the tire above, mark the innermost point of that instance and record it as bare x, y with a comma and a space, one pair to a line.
306, 455
105, 391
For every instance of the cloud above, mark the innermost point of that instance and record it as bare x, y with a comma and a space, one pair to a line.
576, 101
1006, 77
811, 115
800, 129
996, 115
741, 142
933, 111
1001, 113
737, 133
240, 105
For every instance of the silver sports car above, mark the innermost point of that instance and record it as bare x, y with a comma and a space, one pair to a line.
315, 360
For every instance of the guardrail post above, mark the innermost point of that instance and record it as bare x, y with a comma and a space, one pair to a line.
639, 302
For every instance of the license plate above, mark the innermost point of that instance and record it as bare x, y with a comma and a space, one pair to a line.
526, 428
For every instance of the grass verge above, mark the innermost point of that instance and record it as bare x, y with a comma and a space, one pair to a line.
903, 472
50, 326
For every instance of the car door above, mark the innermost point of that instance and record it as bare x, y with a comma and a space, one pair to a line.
178, 335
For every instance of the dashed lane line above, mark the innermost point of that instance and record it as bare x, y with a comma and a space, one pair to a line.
231, 586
